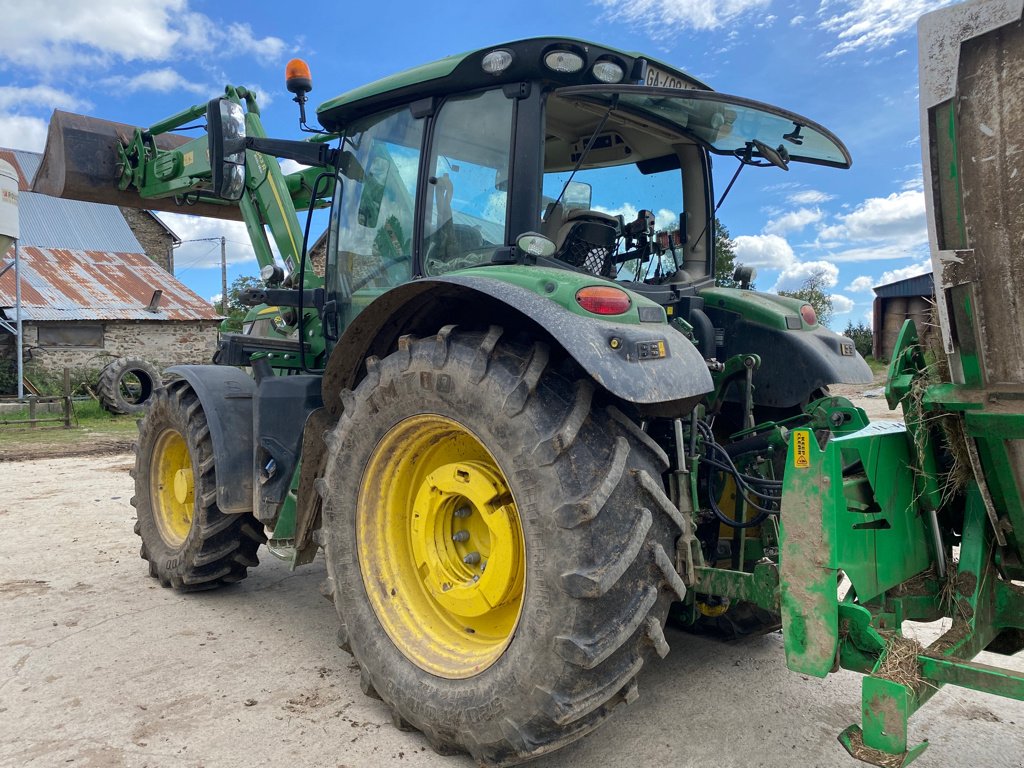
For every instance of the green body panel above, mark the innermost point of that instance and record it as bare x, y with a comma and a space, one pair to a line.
436, 70
764, 308
424, 73
862, 506
561, 286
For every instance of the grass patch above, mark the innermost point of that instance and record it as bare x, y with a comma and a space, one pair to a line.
877, 366
90, 422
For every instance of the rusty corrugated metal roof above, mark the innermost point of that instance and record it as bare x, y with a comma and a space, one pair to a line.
60, 284
50, 222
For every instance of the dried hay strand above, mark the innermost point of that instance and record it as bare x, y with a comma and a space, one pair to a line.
958, 473
867, 754
899, 662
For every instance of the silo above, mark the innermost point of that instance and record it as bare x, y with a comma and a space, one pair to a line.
8, 206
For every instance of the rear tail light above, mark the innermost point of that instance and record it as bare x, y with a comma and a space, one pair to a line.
603, 300
808, 314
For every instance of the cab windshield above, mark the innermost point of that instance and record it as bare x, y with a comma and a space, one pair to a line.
635, 208
638, 206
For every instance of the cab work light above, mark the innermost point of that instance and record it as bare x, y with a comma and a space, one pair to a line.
563, 61
496, 62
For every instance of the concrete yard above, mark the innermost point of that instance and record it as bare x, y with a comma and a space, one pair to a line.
100, 667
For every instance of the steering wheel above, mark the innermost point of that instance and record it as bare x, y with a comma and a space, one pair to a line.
377, 271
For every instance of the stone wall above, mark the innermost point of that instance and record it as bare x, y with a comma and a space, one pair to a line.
163, 343
155, 240
317, 255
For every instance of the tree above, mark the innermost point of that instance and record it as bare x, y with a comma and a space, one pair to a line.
814, 291
725, 257
236, 309
861, 336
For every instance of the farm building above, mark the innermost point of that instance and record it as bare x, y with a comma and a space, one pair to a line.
911, 298
94, 286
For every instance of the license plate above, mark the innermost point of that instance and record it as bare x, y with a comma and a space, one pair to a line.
659, 78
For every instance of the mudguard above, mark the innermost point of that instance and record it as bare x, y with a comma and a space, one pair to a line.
796, 363
610, 352
226, 396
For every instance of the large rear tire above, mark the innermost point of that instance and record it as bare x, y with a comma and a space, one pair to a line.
499, 542
190, 544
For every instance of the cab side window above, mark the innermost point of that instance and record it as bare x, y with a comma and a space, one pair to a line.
372, 223
467, 196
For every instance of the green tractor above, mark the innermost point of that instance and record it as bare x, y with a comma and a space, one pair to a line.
515, 412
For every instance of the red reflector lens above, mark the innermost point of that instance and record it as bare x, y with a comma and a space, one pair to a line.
603, 300
808, 314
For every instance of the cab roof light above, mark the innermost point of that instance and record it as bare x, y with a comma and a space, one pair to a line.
496, 62
563, 61
808, 314
608, 71
603, 300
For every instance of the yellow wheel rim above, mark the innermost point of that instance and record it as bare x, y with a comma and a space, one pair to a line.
173, 487
440, 546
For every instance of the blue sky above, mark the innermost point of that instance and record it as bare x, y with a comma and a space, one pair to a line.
848, 64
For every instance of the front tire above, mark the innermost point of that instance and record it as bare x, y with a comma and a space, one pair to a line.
189, 543
560, 497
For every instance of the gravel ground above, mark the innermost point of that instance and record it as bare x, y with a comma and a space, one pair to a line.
100, 667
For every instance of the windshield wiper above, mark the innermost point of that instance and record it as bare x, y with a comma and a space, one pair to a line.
590, 144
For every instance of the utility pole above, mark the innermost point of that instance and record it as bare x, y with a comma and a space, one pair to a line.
223, 276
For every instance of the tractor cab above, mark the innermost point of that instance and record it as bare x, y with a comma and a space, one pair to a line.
602, 158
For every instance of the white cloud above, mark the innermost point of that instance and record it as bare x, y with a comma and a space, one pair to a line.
794, 275
902, 273
769, 251
206, 254
809, 197
162, 80
291, 166
796, 21
793, 221
663, 218
861, 284
18, 132
841, 304
39, 97
72, 33
892, 227
663, 19
868, 25
70, 30
243, 42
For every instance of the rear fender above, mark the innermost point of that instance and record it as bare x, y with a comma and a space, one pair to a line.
226, 396
607, 351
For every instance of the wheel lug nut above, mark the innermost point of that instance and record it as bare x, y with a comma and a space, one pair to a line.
472, 558
445, 587
460, 536
463, 512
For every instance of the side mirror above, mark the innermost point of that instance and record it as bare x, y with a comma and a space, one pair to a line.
226, 133
577, 196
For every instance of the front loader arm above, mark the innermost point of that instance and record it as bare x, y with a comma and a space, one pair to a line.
101, 161
185, 173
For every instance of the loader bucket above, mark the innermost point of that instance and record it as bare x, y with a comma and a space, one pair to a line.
80, 163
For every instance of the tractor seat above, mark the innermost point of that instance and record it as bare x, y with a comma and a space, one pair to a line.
587, 240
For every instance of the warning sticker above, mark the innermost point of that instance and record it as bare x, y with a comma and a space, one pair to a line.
801, 449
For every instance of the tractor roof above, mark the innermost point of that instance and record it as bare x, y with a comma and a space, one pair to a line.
463, 72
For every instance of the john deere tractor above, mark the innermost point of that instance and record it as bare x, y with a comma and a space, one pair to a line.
515, 412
